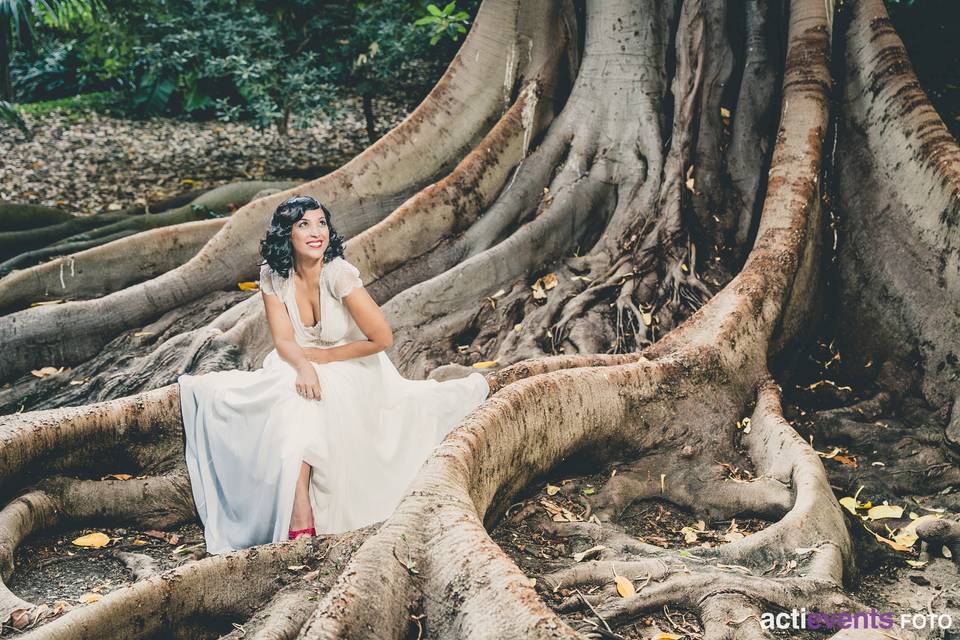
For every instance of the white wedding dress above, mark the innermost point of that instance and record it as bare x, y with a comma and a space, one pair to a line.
247, 431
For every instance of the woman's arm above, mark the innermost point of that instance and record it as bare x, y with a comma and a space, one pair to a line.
370, 319
307, 383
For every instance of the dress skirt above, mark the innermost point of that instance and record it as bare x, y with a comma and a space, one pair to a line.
365, 439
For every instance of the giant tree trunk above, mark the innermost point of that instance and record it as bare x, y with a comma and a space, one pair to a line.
656, 170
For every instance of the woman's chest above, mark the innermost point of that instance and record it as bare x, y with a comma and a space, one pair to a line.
316, 313
307, 302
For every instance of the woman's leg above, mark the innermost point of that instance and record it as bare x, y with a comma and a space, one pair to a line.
302, 517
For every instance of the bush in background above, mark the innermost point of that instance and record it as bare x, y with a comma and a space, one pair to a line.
273, 63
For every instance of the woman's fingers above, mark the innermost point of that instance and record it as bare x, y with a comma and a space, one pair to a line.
308, 390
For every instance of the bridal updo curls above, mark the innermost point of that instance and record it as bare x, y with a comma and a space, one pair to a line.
276, 248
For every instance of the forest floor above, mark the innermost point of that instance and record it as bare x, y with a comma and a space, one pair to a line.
916, 581
87, 162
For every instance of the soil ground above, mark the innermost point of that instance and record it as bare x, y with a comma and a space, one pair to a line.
88, 162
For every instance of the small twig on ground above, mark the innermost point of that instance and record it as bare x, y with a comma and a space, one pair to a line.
599, 617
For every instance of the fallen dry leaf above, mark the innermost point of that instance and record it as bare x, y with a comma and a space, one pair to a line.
93, 540
850, 462
19, 618
624, 587
43, 372
893, 544
884, 511
592, 551
558, 513
850, 504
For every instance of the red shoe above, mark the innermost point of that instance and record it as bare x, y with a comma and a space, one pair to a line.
293, 535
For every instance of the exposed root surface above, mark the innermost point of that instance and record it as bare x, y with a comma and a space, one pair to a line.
133, 361
269, 594
576, 563
50, 569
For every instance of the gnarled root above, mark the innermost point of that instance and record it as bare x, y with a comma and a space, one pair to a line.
29, 247
108, 267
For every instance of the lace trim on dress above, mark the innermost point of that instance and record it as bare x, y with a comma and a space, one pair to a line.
266, 279
346, 279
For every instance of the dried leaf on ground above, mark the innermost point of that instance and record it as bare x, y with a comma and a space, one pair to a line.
624, 587
93, 540
43, 372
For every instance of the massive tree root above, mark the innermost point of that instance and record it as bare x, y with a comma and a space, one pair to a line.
637, 194
22, 248
109, 267
902, 206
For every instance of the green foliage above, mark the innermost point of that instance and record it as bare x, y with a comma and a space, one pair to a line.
10, 116
19, 16
17, 27
266, 61
448, 21
101, 101
57, 70
214, 58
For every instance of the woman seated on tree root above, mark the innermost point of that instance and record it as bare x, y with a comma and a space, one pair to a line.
327, 435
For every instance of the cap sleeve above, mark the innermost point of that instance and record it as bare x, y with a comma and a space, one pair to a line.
266, 280
346, 279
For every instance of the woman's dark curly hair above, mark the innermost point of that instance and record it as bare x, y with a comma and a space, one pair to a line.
276, 248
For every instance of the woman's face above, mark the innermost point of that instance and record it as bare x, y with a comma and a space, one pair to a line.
310, 235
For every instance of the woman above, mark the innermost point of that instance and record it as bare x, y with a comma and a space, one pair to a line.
327, 435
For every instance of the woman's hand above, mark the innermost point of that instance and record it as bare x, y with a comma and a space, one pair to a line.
308, 383
318, 355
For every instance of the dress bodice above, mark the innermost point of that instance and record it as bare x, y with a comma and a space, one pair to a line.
336, 325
